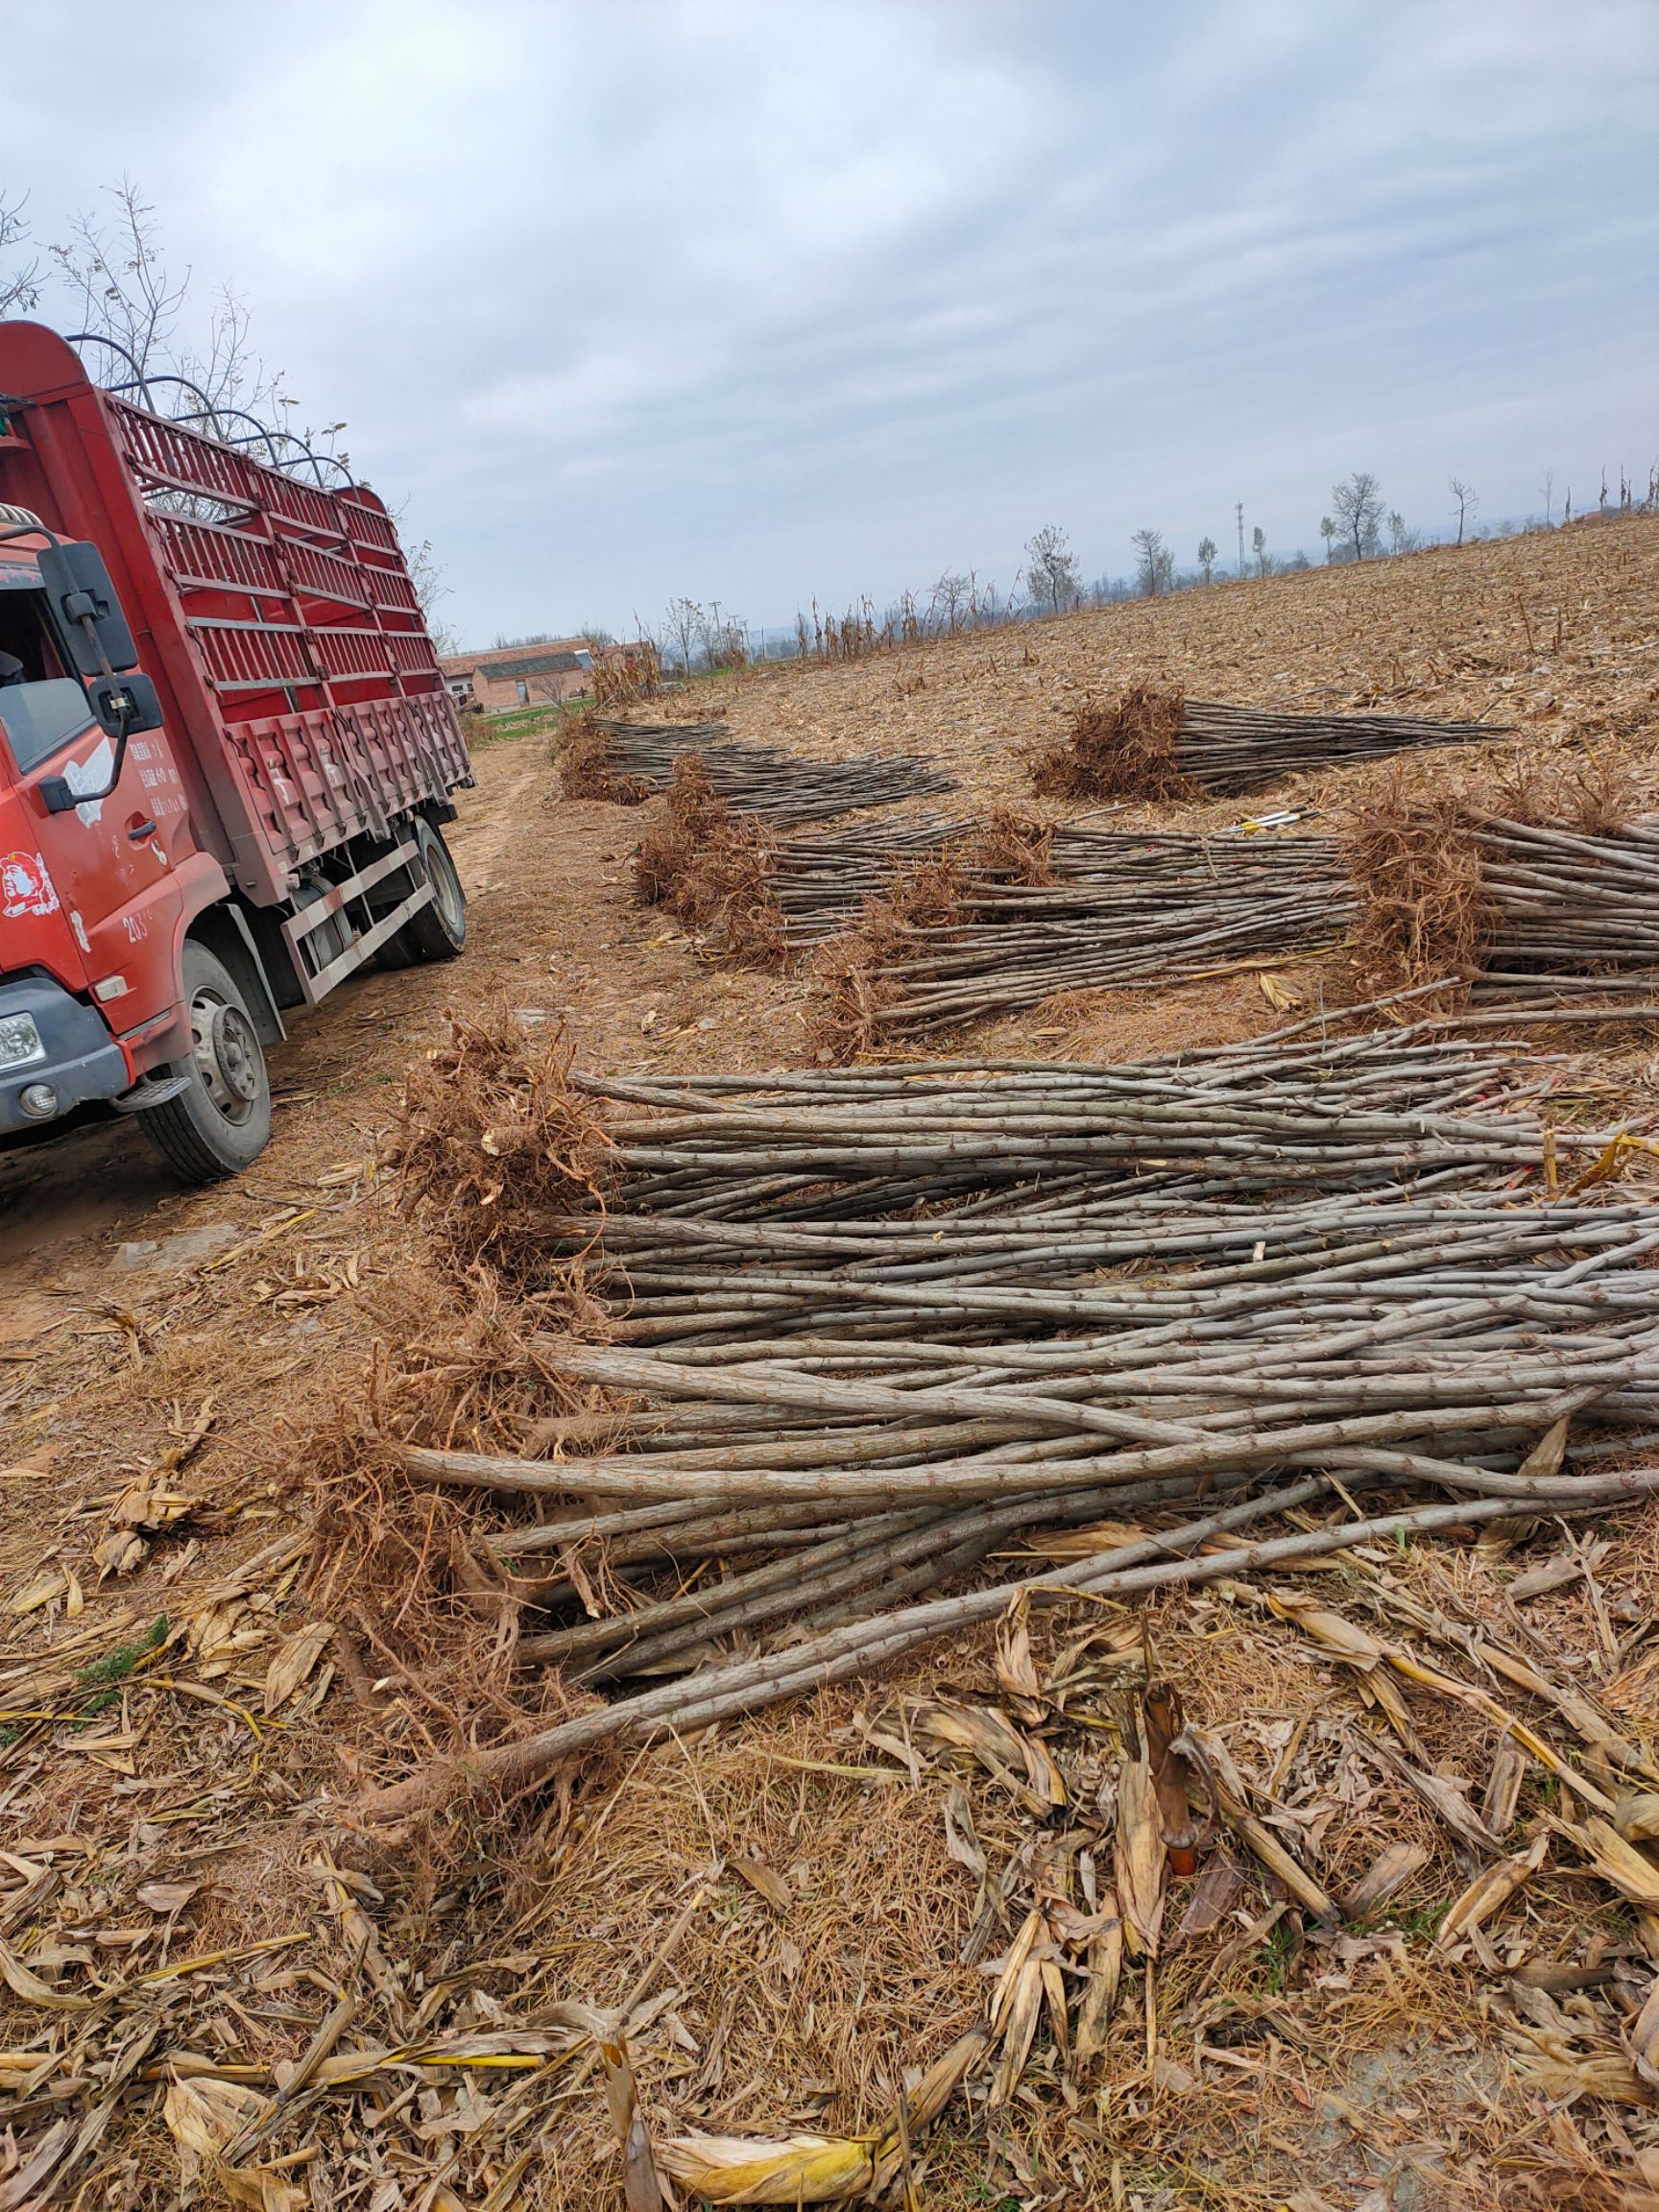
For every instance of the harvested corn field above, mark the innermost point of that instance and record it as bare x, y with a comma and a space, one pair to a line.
1067, 1628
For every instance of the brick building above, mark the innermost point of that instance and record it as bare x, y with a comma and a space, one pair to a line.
521, 675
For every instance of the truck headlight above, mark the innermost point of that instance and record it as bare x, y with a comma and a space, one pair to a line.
19, 1041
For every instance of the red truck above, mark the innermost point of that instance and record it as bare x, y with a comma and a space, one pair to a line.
227, 755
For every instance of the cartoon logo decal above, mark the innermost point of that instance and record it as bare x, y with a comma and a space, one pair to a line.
92, 775
25, 886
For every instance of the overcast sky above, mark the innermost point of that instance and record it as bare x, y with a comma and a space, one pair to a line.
757, 298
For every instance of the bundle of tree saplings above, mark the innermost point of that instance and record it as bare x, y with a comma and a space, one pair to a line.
955, 941
1513, 906
628, 761
871, 1330
769, 899
1152, 744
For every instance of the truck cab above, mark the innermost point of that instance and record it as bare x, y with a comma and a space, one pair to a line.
225, 760
87, 888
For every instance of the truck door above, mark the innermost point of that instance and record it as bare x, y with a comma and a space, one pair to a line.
109, 865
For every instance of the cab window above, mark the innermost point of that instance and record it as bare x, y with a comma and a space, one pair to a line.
41, 707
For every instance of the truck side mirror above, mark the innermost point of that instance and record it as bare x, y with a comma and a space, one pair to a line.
89, 612
124, 704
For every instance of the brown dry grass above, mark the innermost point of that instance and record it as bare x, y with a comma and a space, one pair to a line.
1121, 750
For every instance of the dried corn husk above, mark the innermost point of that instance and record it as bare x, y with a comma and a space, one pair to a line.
1390, 1870
1139, 1858
1232, 1806
1502, 1792
1607, 2075
641, 2190
293, 1662
1021, 1763
815, 2168
1491, 1890
1015, 1668
1105, 1961
203, 2114
1642, 2039
1628, 1869
1016, 2004
1636, 1816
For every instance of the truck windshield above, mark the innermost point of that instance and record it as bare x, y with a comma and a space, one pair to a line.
41, 708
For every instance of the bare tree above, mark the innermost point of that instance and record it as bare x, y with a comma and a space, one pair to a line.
685, 623
1154, 562
949, 603
1051, 569
1328, 531
1401, 538
116, 266
430, 589
1467, 498
1259, 546
1207, 557
1357, 504
19, 284
596, 634
1547, 485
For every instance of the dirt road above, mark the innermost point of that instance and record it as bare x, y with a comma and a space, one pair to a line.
550, 923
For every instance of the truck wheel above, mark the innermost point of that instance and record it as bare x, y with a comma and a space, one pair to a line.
438, 931
221, 1120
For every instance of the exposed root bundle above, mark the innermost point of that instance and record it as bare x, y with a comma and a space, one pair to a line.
491, 1144
623, 674
1151, 744
1576, 791
1010, 848
1425, 907
1121, 749
856, 976
589, 767
713, 869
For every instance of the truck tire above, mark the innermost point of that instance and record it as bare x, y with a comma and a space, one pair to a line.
439, 931
221, 1120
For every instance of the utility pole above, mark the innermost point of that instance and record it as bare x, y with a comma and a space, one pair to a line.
1239, 510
